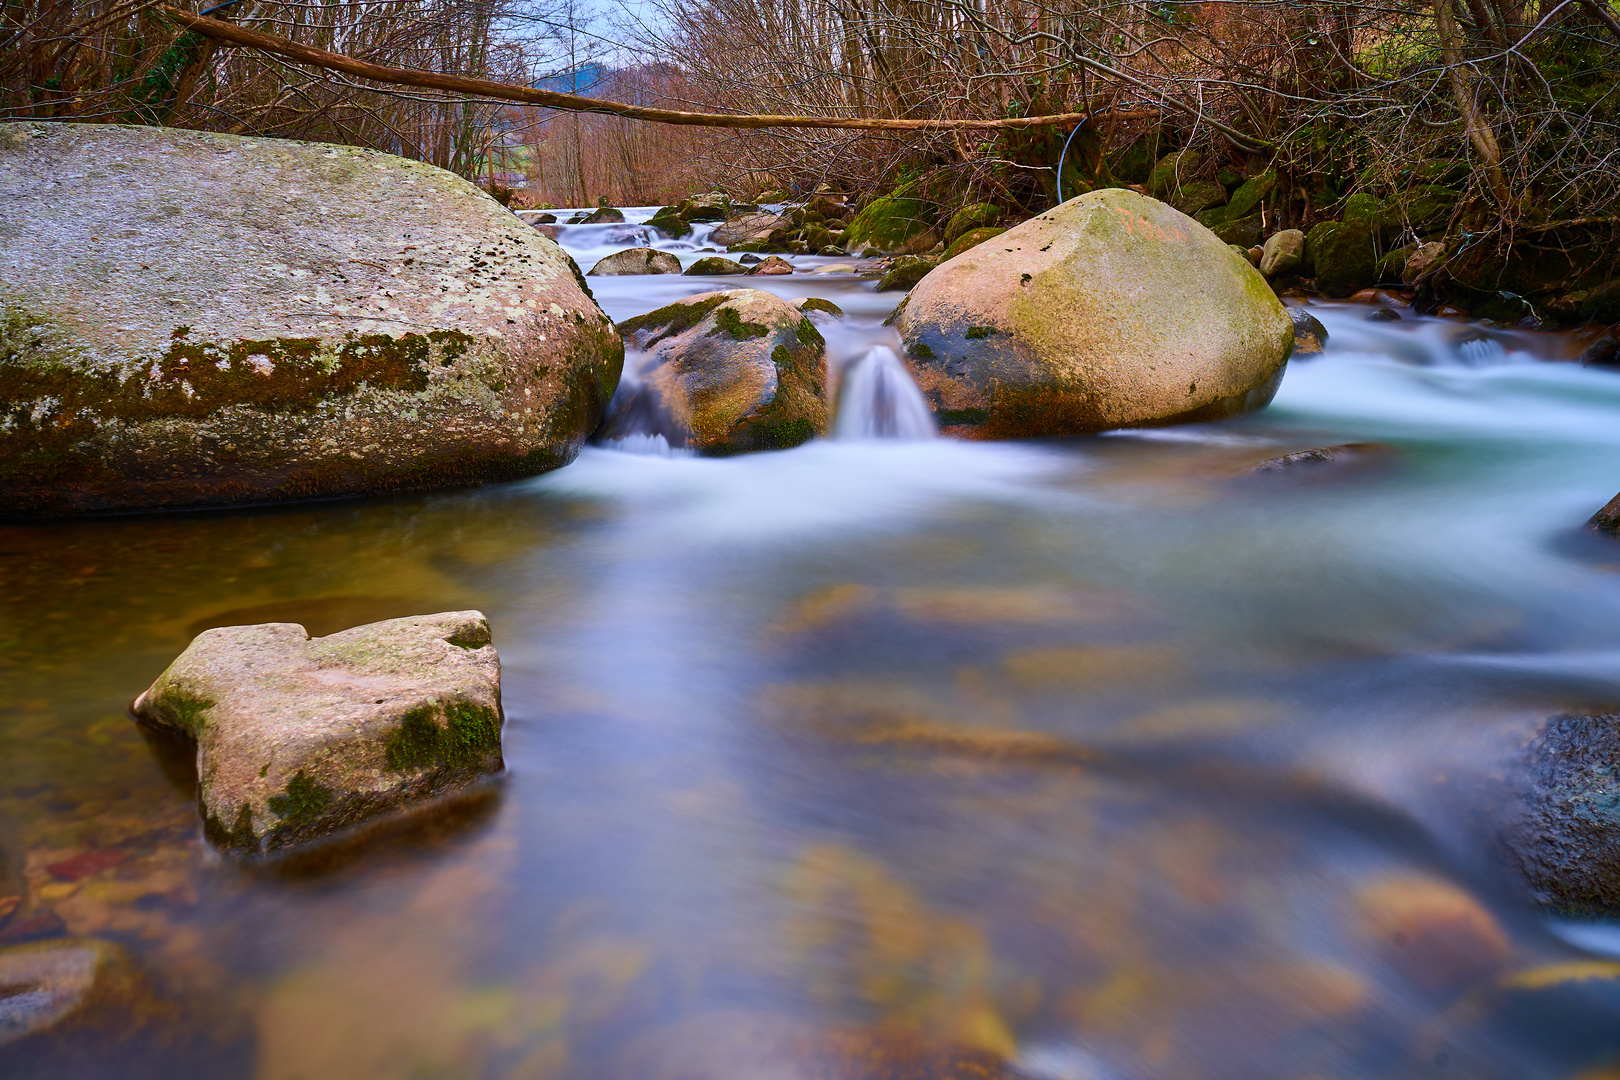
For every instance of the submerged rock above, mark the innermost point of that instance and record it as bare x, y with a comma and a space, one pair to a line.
192, 319
725, 372
638, 260
299, 737
1565, 839
53, 985
1344, 454
1110, 310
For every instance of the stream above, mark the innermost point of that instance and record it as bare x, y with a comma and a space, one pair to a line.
1102, 758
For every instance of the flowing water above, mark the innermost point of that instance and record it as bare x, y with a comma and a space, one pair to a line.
1089, 759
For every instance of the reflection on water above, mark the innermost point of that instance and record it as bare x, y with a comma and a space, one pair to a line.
1080, 759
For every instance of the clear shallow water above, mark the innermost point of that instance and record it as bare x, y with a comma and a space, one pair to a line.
1101, 757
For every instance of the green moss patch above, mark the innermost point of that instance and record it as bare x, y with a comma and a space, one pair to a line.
674, 319
470, 732
727, 321
304, 801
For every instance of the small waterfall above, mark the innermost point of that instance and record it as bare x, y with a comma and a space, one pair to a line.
878, 400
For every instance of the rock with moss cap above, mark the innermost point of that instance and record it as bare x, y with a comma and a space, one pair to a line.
897, 224
715, 266
973, 216
722, 373
811, 305
1110, 310
299, 738
192, 319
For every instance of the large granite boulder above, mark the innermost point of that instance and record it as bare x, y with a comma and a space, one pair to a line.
1111, 310
192, 319
723, 372
299, 737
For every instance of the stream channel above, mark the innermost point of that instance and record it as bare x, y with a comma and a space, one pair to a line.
1100, 758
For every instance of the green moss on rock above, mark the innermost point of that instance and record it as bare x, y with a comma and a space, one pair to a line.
303, 803
469, 733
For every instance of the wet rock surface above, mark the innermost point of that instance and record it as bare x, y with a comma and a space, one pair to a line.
191, 319
1108, 311
1309, 334
638, 260
723, 372
1565, 839
1607, 520
299, 738
1344, 455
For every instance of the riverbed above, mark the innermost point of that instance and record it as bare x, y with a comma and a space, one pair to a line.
1085, 759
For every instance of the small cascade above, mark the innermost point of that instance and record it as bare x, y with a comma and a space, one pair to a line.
877, 399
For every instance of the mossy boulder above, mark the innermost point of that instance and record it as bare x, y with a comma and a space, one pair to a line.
669, 222
1172, 171
637, 260
190, 319
1198, 195
1111, 310
1428, 206
812, 305
905, 273
897, 224
970, 217
969, 240
1134, 164
1383, 218
604, 215
709, 206
715, 266
1244, 232
1246, 199
1343, 256
723, 373
299, 738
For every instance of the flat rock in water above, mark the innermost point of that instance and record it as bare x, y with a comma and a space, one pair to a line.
749, 227
192, 319
637, 260
1356, 453
723, 372
1110, 310
299, 737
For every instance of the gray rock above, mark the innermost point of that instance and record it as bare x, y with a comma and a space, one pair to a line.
603, 215
1027, 335
724, 372
299, 737
637, 260
1283, 253
749, 228
192, 319
710, 206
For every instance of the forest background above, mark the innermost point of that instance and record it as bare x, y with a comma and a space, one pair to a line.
1492, 123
